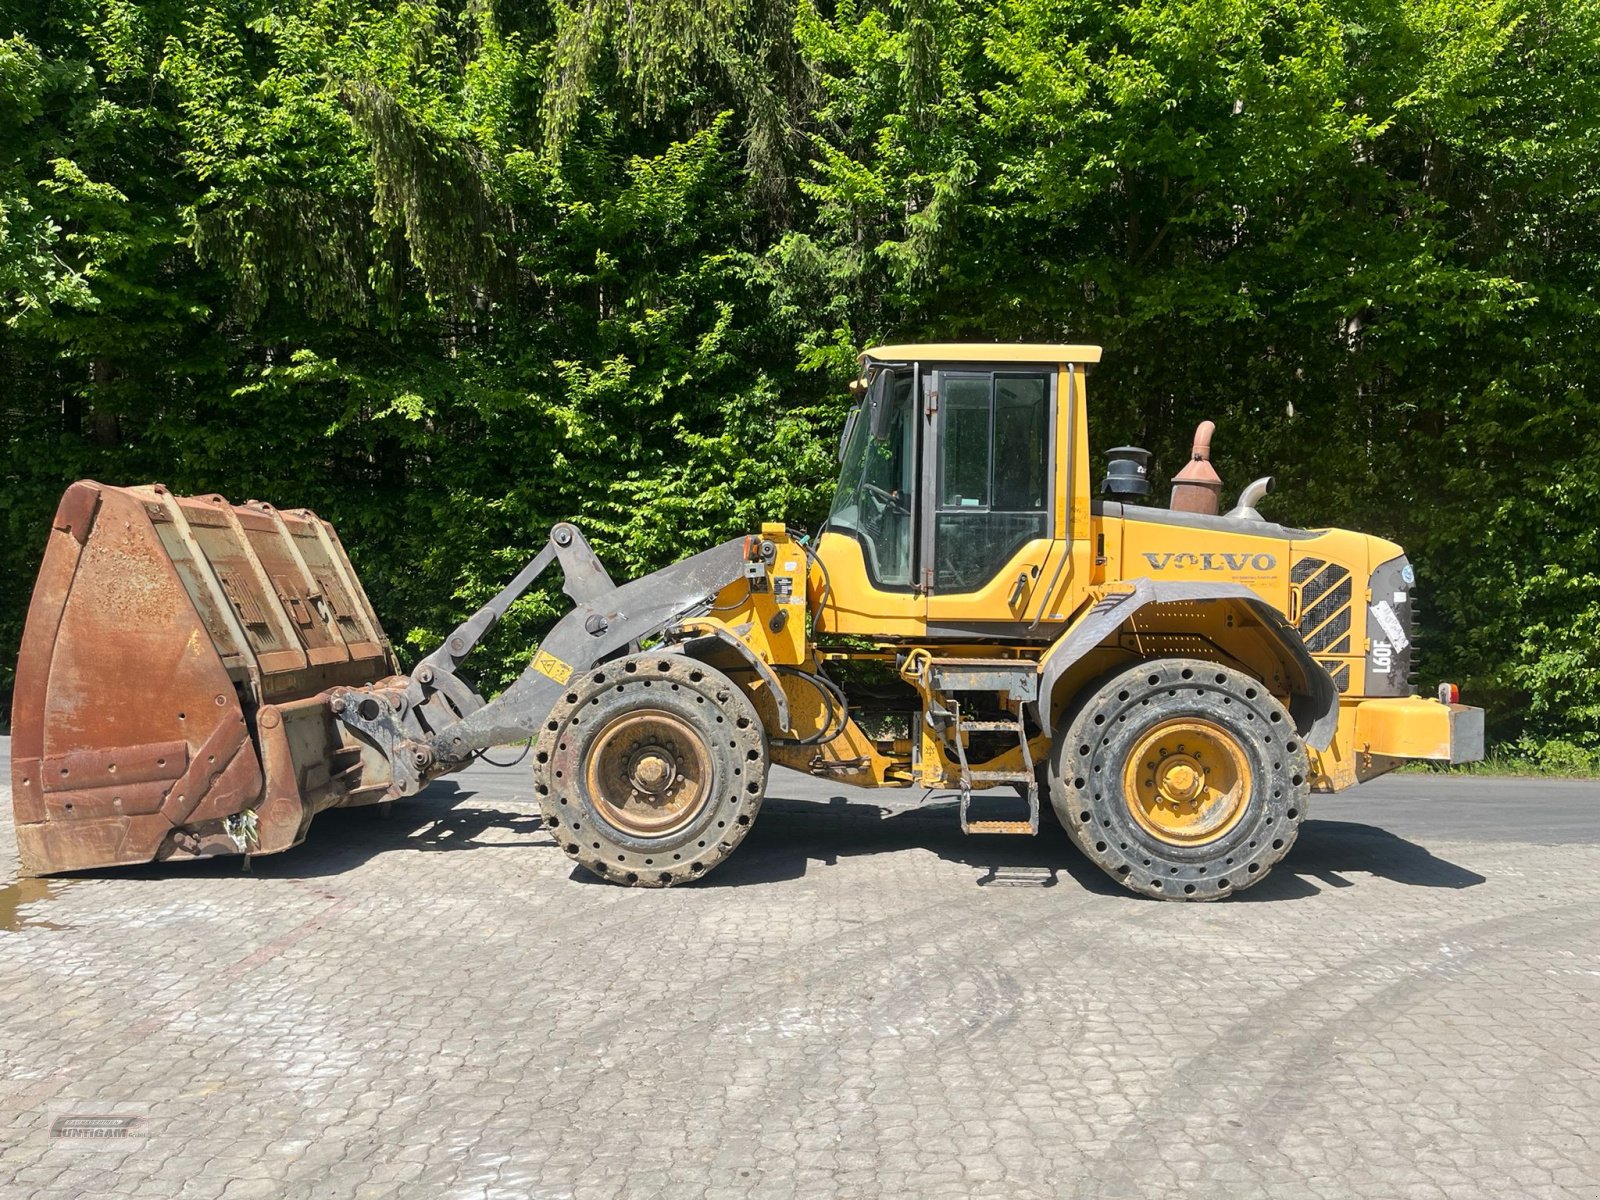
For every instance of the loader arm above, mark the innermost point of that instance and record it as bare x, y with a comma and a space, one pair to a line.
437, 723
437, 690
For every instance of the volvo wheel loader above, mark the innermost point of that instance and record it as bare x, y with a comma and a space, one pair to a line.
199, 678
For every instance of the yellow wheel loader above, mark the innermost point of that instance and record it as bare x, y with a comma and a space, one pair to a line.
199, 678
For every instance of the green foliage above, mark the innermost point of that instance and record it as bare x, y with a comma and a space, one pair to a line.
448, 272
33, 275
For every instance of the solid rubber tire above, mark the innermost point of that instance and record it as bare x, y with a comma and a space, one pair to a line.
719, 712
1091, 749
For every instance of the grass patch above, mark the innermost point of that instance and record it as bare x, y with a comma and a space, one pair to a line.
1560, 761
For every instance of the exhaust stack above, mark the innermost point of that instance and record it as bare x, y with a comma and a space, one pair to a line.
1244, 508
1198, 488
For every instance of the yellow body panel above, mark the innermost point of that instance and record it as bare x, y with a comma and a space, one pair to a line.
849, 604
767, 617
1411, 727
1020, 578
1177, 553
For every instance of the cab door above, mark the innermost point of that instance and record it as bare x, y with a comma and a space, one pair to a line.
990, 494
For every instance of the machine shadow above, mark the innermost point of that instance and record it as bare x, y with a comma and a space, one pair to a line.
342, 839
1327, 851
793, 838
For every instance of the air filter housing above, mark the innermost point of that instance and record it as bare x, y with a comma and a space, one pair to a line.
1127, 472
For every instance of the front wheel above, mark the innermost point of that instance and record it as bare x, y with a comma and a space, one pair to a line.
1181, 779
651, 769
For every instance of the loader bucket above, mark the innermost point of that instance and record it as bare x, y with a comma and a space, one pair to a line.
169, 686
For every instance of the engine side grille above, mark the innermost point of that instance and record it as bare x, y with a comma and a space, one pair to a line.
1325, 591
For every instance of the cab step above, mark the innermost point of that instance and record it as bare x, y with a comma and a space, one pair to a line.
1000, 827
1025, 780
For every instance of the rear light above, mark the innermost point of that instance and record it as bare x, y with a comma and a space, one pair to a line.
1449, 693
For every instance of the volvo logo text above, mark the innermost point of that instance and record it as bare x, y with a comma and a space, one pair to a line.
1211, 562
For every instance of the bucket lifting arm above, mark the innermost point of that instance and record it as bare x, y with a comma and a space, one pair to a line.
438, 722
437, 689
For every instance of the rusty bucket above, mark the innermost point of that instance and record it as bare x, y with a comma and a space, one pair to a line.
170, 686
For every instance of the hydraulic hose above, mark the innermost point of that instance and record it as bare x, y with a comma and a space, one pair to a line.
835, 705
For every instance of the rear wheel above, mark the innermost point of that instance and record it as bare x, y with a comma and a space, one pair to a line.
651, 769
1181, 779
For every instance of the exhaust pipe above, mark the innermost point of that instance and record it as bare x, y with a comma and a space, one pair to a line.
1245, 508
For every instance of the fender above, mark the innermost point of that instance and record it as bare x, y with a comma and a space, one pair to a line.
1314, 705
718, 634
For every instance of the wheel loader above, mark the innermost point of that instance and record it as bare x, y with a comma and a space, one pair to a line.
976, 615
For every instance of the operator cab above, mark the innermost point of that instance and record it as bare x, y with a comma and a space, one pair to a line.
953, 482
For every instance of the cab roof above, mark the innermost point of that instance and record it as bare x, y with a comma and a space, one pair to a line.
985, 352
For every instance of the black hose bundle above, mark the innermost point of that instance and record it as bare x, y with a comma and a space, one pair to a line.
834, 704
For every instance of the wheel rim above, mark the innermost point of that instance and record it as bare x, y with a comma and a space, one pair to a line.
1187, 782
648, 772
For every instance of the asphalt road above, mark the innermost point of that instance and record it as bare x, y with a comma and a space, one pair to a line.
861, 1002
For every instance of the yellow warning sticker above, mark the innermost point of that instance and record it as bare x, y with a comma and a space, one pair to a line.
549, 664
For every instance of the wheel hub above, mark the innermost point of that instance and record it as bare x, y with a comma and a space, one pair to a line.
1180, 779
648, 772
1187, 782
653, 771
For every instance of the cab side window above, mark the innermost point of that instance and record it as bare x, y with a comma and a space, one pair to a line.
876, 497
994, 473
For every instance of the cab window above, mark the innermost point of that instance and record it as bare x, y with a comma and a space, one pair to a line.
994, 473
877, 484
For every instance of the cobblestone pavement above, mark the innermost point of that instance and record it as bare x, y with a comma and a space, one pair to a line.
857, 1004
